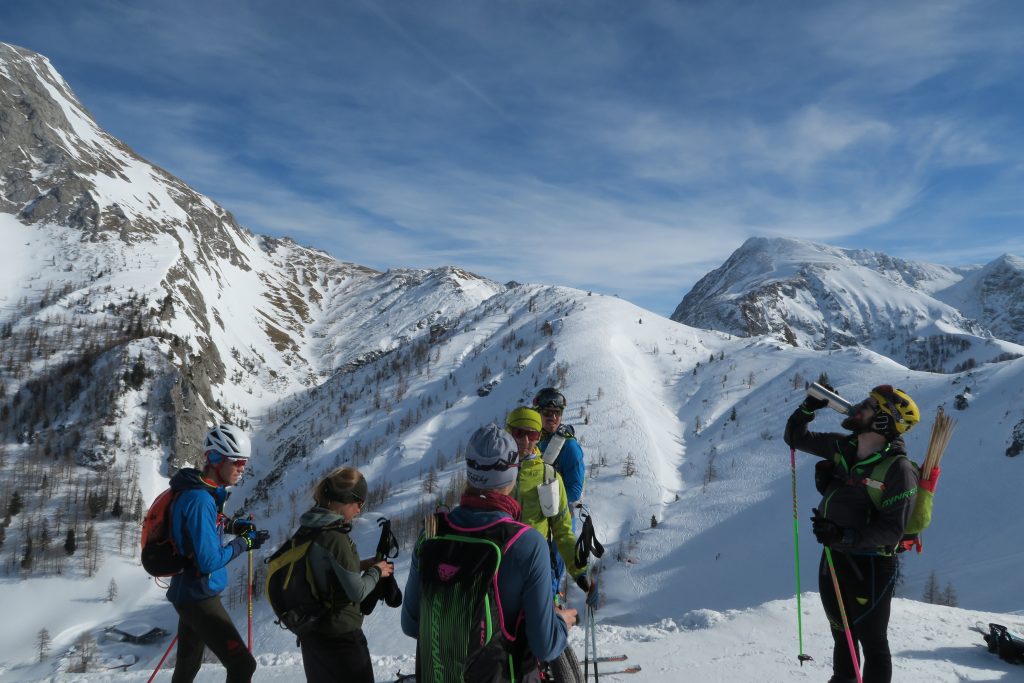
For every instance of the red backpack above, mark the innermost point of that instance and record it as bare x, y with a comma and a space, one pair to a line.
160, 557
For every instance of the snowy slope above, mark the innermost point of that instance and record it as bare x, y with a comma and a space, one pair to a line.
758, 644
648, 384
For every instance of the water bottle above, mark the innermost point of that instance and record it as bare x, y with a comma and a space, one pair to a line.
550, 499
835, 401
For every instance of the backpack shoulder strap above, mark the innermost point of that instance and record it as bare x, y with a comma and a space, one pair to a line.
875, 482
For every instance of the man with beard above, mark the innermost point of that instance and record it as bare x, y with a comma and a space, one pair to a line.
862, 535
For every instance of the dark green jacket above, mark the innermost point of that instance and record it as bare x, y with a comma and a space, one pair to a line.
336, 572
846, 500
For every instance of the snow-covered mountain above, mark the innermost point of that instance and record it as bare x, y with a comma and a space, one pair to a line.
103, 238
925, 316
133, 311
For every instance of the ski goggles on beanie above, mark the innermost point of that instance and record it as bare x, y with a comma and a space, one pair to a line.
337, 491
492, 458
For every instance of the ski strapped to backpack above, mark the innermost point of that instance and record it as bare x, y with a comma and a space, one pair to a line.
462, 633
290, 585
160, 557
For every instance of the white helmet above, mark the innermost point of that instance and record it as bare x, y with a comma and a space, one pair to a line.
226, 441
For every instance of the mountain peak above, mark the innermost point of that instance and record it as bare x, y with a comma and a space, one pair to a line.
823, 297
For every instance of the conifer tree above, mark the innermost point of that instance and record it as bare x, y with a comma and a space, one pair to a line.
629, 466
931, 589
43, 643
949, 596
15, 504
26, 560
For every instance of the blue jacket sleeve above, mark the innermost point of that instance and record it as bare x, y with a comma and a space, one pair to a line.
545, 631
411, 599
570, 466
202, 538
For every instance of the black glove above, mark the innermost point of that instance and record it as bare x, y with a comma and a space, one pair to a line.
826, 531
588, 586
387, 590
239, 525
811, 404
254, 539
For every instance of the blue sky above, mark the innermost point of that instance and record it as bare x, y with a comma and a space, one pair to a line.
626, 147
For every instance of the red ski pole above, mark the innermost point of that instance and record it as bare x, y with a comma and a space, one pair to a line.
161, 663
842, 613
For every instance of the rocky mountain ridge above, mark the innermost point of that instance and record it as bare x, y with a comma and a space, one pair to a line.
129, 246
926, 316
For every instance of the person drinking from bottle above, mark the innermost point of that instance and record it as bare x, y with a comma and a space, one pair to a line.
862, 534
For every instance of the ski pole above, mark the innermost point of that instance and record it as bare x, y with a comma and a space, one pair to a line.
842, 613
161, 662
796, 545
250, 593
593, 636
587, 654
250, 600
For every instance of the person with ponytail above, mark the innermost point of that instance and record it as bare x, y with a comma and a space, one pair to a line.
337, 650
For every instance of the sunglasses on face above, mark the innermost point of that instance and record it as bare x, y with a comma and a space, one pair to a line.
353, 498
551, 412
518, 433
237, 461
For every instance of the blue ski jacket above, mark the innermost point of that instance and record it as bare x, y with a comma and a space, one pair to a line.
569, 464
197, 531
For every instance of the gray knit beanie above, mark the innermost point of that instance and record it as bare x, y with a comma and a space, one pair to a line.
492, 458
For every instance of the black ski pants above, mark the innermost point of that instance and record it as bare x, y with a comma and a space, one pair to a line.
866, 585
203, 624
339, 659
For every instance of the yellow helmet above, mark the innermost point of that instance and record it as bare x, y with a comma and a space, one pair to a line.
898, 405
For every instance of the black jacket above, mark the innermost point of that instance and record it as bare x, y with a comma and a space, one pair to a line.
846, 500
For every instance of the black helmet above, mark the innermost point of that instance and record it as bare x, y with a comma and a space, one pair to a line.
549, 397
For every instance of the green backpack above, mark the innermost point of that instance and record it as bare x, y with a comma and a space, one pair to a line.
461, 635
920, 516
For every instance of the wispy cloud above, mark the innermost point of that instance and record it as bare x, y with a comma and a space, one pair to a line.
624, 148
